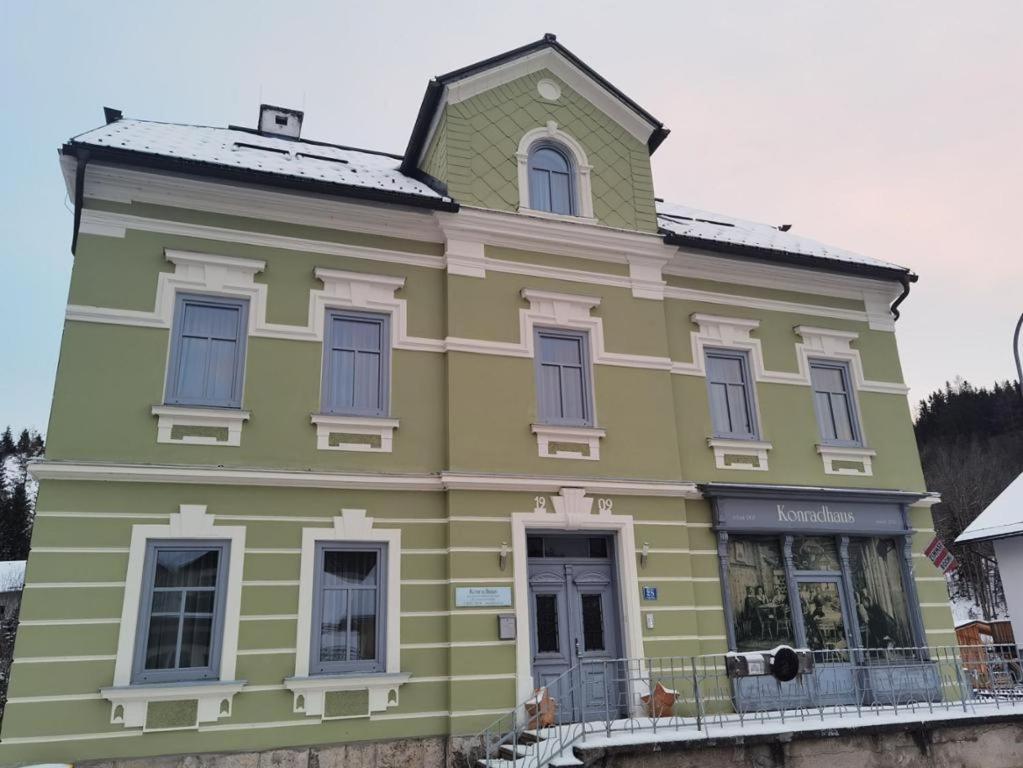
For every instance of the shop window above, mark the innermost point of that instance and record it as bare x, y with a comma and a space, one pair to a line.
207, 358
882, 607
182, 615
760, 602
832, 397
356, 364
563, 377
815, 553
731, 395
348, 631
820, 603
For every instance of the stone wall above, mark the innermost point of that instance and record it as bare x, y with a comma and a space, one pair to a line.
974, 743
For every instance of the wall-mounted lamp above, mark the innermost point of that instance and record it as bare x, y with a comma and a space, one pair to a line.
644, 554
502, 559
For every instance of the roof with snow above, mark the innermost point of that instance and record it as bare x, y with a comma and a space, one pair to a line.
259, 157
1003, 516
684, 225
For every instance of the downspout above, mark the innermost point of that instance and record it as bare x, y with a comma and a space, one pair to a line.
905, 280
83, 160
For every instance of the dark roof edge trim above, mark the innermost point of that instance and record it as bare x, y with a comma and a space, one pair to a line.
248, 176
738, 250
435, 89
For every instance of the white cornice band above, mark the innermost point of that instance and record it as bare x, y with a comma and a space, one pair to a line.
444, 481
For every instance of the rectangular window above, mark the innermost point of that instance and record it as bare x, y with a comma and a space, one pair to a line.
563, 377
832, 399
207, 359
348, 609
181, 611
356, 363
731, 395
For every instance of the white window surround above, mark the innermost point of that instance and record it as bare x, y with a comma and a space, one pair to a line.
573, 511
170, 416
352, 525
557, 433
372, 426
129, 703
580, 170
558, 310
734, 333
726, 447
230, 276
832, 453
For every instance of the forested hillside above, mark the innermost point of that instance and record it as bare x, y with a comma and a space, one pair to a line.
971, 446
16, 491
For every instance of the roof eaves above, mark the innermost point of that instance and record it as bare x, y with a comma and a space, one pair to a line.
250, 176
435, 91
790, 258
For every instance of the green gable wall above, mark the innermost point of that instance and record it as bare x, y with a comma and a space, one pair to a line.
473, 151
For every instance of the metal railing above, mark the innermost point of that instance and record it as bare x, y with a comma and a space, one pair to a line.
694, 697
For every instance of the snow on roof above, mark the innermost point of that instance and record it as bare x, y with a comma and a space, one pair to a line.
233, 148
12, 575
1003, 516
703, 225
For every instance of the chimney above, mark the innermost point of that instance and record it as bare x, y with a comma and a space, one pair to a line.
280, 121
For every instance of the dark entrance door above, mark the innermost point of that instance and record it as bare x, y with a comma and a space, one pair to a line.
823, 620
574, 623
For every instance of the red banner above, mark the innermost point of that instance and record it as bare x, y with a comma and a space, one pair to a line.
940, 555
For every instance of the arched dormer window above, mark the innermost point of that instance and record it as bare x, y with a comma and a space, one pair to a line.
551, 180
554, 174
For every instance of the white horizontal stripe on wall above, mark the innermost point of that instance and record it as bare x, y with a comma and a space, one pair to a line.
265, 651
270, 617
81, 550
466, 644
74, 585
662, 638
271, 583
53, 699
60, 659
65, 622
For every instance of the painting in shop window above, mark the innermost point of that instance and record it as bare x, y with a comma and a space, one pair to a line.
760, 603
882, 609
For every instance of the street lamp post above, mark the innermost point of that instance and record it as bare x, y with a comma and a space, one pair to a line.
1016, 352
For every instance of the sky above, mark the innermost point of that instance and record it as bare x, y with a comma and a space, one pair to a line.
891, 129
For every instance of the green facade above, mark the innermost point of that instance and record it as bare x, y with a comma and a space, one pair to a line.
465, 412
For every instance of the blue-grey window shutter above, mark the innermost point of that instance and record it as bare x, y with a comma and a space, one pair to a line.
730, 394
563, 377
836, 415
207, 351
356, 363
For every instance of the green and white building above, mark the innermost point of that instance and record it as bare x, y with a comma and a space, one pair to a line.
348, 446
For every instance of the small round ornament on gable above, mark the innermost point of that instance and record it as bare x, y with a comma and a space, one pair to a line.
549, 90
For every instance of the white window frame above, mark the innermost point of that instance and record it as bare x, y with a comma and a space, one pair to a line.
129, 702
580, 165
352, 526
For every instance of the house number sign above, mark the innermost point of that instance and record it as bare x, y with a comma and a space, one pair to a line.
483, 597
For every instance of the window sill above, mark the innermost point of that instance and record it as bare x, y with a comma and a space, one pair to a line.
846, 460
733, 453
367, 693
557, 216
555, 441
373, 434
179, 706
190, 425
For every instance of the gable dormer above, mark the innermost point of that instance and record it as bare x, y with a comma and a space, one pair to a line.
536, 131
